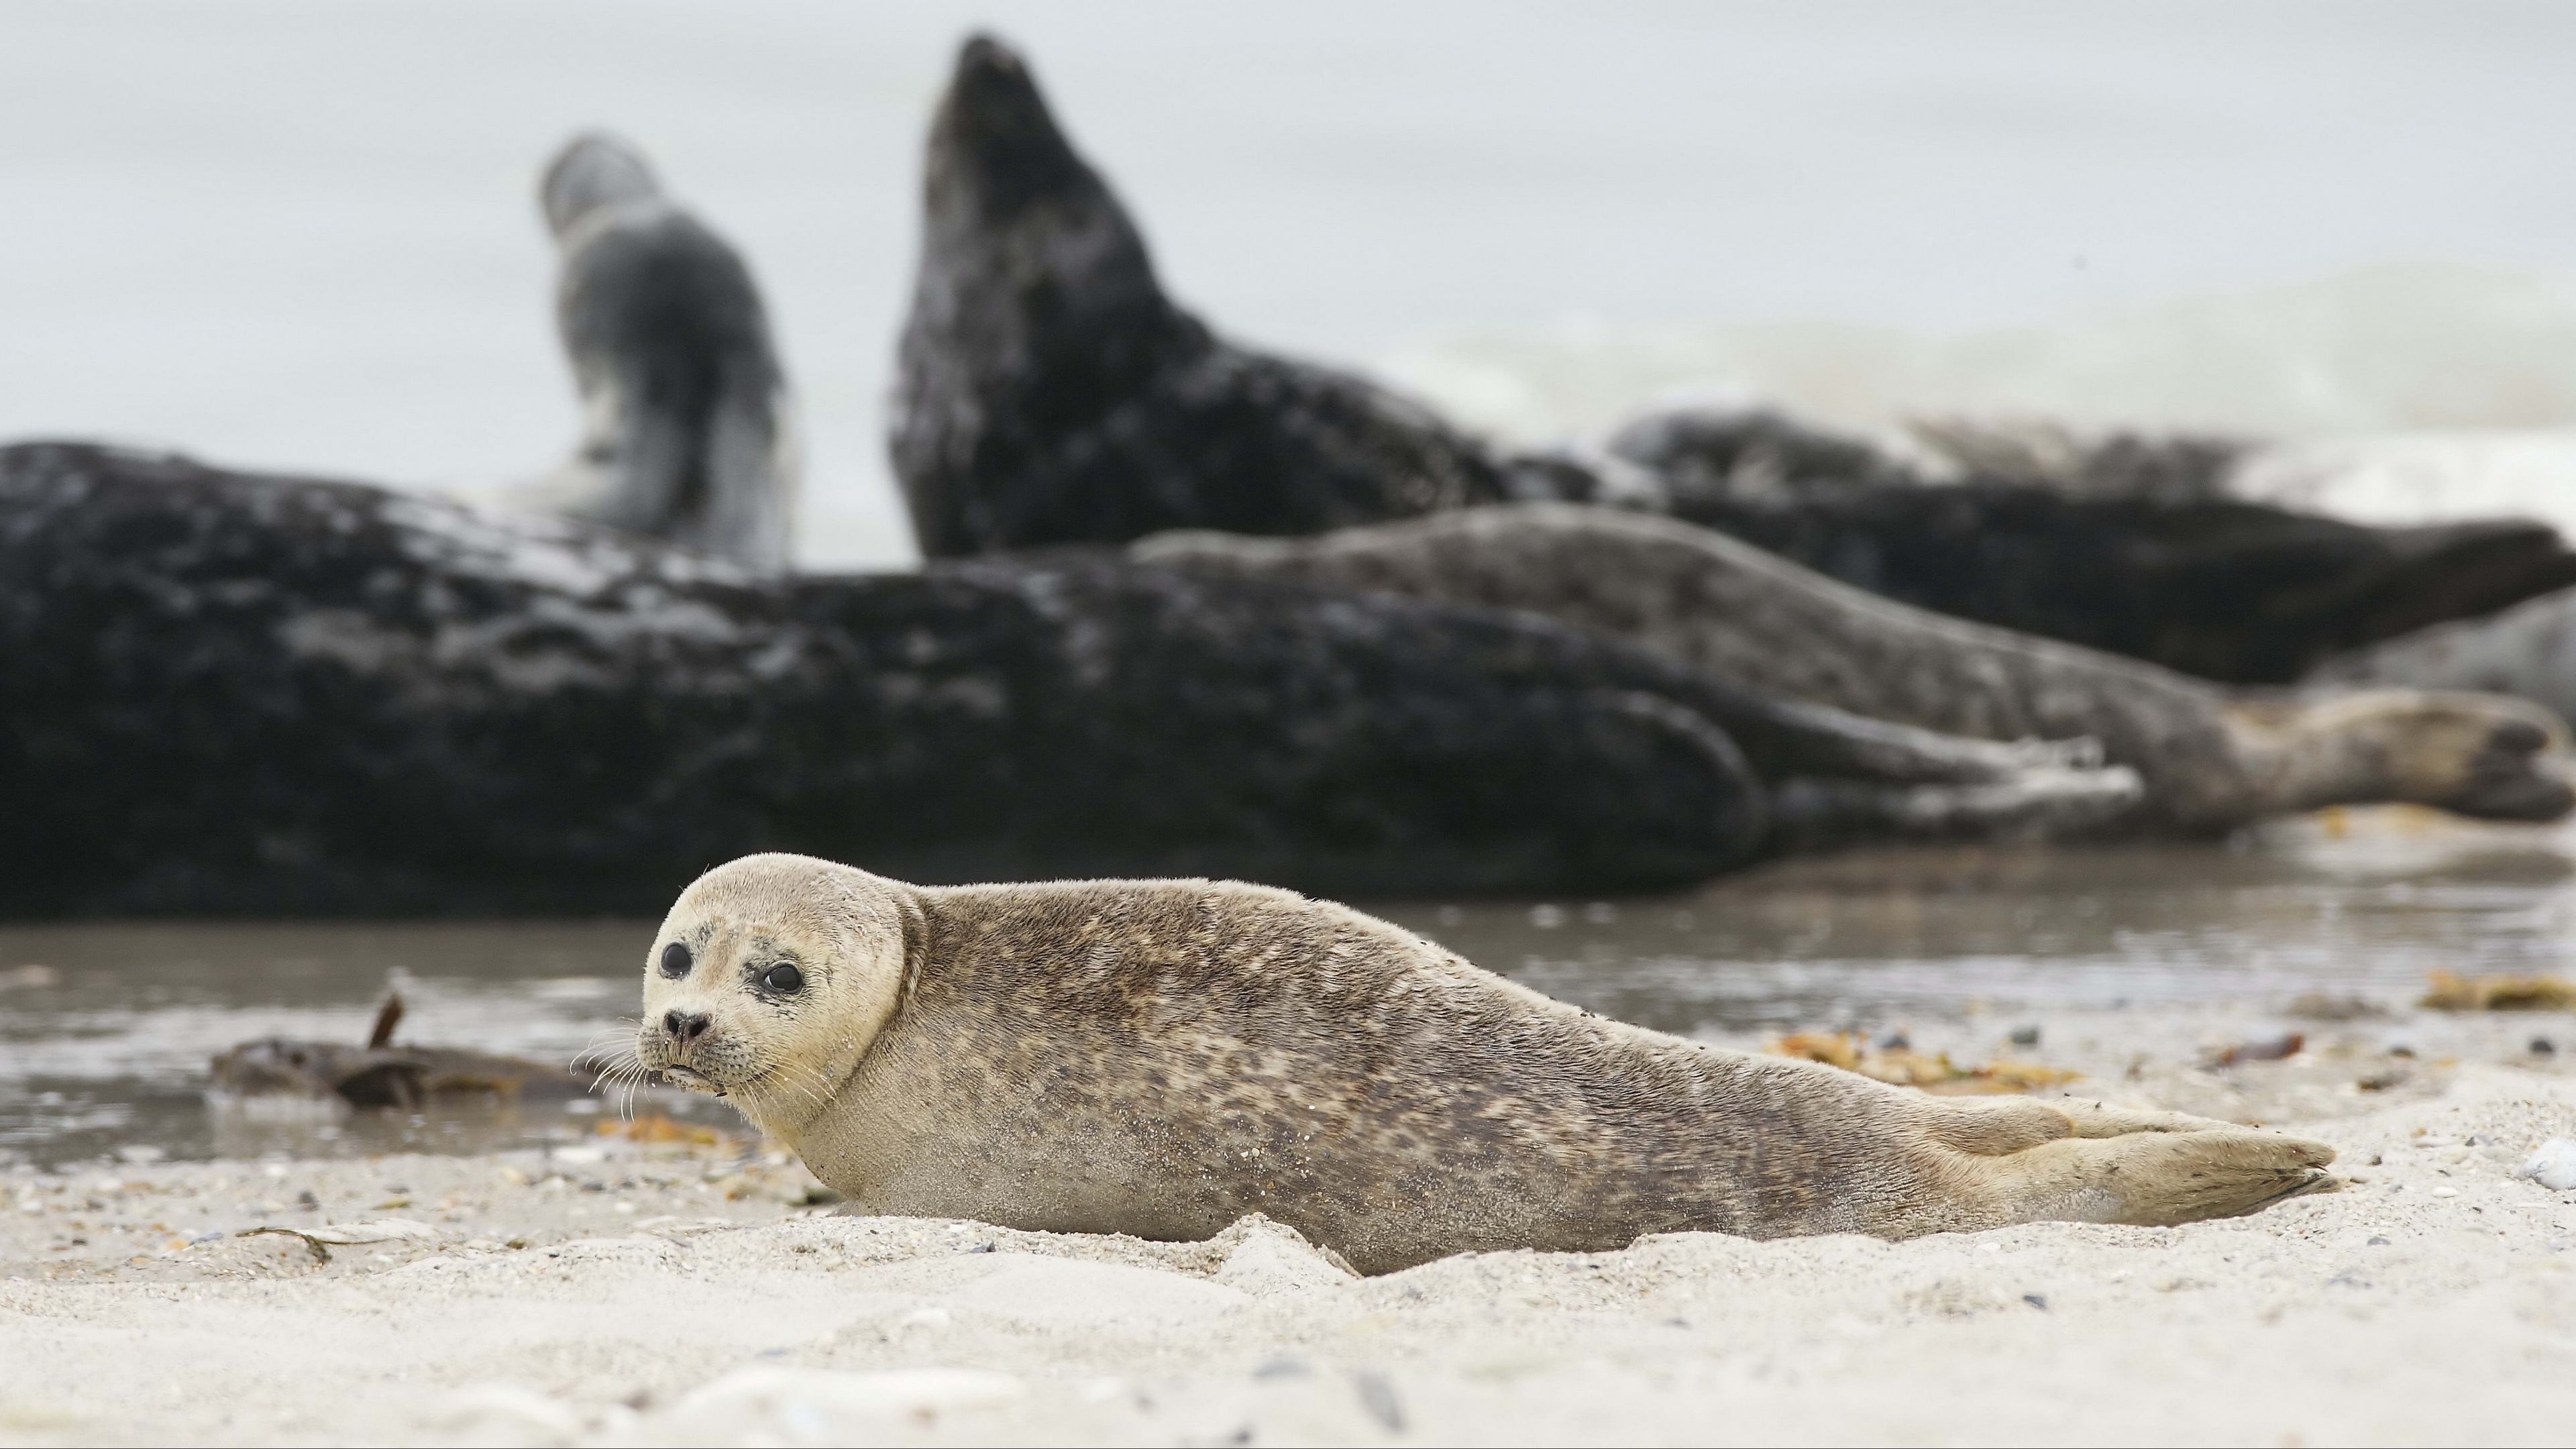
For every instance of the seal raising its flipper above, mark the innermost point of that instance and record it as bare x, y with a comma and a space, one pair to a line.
689, 434
1051, 393
1160, 1058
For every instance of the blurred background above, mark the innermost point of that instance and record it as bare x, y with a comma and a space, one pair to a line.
302, 235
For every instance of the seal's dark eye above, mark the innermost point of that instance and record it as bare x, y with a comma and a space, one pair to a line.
783, 978
675, 960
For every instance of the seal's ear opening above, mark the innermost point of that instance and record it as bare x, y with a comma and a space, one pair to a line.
593, 170
994, 137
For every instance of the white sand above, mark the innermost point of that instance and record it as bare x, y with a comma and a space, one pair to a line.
687, 1299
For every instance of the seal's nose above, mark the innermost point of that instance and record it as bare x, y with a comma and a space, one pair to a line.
686, 1028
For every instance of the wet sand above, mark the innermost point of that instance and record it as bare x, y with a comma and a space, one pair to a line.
616, 1291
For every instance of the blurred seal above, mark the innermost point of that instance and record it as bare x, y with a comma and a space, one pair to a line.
1161, 1058
689, 433
2213, 758
1050, 392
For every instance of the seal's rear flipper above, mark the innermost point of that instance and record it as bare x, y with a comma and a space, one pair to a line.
2023, 1161
2154, 1179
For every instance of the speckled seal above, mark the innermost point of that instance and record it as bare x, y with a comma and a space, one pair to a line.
1161, 1058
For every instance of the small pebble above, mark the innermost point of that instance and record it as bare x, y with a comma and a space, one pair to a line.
2542, 1046
2026, 1035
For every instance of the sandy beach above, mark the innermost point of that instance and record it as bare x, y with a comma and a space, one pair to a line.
703, 1291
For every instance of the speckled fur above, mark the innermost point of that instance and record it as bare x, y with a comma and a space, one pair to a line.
1160, 1058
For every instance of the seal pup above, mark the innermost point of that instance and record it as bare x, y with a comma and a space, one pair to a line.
1050, 392
689, 433
2212, 758
1160, 1058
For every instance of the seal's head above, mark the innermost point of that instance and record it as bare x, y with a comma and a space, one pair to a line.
590, 172
769, 979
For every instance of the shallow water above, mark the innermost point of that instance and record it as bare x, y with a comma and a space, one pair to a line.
110, 1058
112, 1055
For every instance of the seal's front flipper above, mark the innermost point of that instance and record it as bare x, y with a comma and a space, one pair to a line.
2042, 803
1838, 778
1785, 739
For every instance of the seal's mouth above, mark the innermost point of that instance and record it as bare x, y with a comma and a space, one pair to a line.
690, 1079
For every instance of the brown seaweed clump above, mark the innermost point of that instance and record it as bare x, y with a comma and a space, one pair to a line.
1905, 1067
2450, 991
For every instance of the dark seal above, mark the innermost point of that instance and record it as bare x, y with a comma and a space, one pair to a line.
1051, 393
242, 693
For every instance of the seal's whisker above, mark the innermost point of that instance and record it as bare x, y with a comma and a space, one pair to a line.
608, 1048
620, 1071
